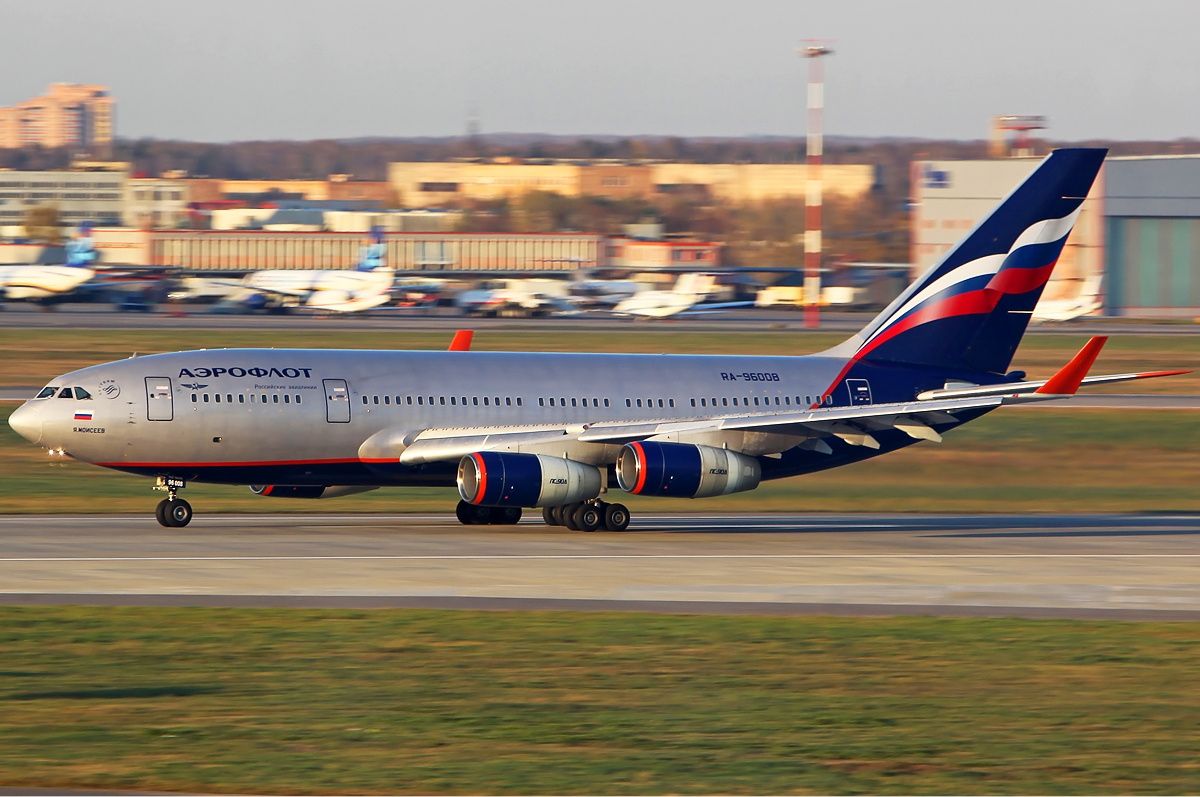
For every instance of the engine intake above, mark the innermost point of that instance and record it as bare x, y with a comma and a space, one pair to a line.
307, 490
491, 478
684, 470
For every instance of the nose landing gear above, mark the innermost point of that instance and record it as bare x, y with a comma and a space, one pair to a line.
172, 512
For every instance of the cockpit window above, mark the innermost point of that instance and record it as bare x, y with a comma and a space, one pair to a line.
66, 392
46, 392
81, 394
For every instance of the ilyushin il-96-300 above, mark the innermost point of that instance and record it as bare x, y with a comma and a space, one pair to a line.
565, 432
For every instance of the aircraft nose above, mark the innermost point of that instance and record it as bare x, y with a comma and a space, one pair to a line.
27, 422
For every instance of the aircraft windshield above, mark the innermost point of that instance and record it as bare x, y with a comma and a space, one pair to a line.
80, 394
46, 392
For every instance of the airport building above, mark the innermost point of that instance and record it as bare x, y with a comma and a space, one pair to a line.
67, 115
1137, 240
422, 184
84, 194
245, 250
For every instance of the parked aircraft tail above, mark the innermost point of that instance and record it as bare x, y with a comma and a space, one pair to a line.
373, 253
970, 310
81, 252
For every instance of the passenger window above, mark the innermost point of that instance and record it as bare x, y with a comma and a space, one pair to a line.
205, 398
421, 400
287, 398
787, 400
725, 402
217, 397
508, 401
454, 401
573, 404
541, 402
242, 398
297, 398
229, 398
756, 401
693, 402
364, 400
407, 400
375, 400
519, 402
442, 400
81, 394
45, 392
275, 398
735, 402
474, 401
193, 398
497, 398
629, 403
639, 402
606, 402
387, 399
671, 402
464, 401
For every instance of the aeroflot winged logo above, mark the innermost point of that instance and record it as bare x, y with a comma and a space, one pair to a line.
282, 373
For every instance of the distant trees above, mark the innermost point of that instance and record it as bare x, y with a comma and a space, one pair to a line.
41, 224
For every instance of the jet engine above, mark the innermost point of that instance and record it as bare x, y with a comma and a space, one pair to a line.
307, 490
684, 470
491, 478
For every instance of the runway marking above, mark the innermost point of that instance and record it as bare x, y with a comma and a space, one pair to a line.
507, 557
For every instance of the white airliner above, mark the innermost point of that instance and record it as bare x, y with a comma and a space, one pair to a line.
686, 297
1083, 303
365, 287
44, 283
563, 431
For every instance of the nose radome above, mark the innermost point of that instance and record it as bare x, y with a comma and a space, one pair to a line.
27, 422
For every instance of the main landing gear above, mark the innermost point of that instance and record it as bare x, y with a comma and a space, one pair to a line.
172, 512
588, 516
472, 515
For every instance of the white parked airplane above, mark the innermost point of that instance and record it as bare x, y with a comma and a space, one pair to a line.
686, 297
366, 286
1086, 302
43, 283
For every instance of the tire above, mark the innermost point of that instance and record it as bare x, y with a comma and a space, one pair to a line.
160, 513
178, 513
616, 517
548, 516
560, 515
465, 513
567, 513
507, 516
588, 517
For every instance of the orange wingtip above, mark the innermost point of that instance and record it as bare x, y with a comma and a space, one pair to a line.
462, 340
1153, 374
1068, 379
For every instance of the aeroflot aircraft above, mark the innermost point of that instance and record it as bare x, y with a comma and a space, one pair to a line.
559, 431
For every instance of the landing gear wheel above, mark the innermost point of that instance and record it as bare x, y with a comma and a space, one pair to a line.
549, 516
174, 513
567, 513
467, 514
507, 516
562, 516
588, 517
616, 517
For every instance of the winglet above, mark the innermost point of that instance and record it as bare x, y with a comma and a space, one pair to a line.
1070, 376
462, 340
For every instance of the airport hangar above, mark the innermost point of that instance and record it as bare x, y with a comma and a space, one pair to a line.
1138, 232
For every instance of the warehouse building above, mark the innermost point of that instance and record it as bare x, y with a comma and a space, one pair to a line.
1136, 242
422, 184
244, 250
97, 196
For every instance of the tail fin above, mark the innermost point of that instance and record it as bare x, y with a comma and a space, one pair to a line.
372, 254
970, 310
81, 252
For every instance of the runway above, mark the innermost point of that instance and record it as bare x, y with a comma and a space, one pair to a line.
1120, 566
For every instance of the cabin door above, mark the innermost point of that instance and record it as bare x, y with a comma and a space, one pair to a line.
337, 400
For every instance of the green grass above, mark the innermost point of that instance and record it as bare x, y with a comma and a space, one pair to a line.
465, 702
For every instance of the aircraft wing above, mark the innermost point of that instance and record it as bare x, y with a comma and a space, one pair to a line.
853, 425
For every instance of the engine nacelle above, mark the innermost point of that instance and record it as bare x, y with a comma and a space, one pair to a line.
684, 470
308, 490
491, 478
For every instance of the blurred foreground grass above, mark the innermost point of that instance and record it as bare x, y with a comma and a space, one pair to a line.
401, 701
1013, 460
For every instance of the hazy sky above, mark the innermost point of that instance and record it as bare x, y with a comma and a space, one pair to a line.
223, 70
